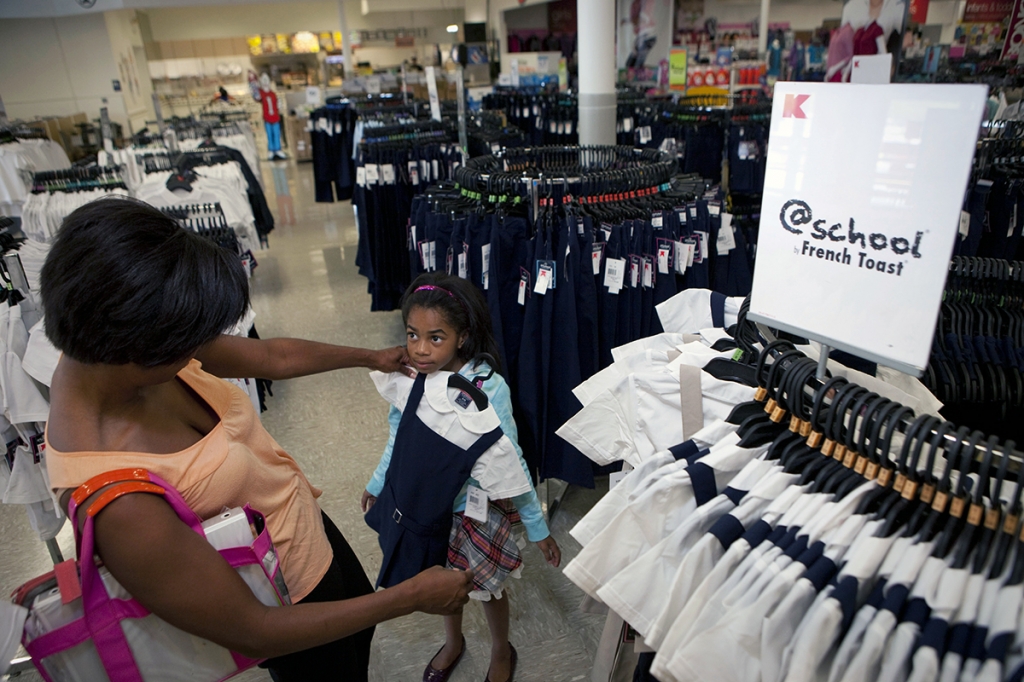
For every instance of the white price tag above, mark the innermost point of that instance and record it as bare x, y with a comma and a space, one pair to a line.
543, 280
965, 224
691, 254
425, 171
436, 170
615, 478
521, 299
648, 273
476, 504
372, 174
663, 257
337, 129
703, 245
485, 257
627, 125
726, 236
361, 176
432, 256
714, 208
495, 147
387, 172
657, 221
682, 257
414, 173
552, 126
595, 258
568, 127
614, 274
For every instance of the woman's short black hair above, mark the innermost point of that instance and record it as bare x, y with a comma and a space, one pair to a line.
463, 307
123, 283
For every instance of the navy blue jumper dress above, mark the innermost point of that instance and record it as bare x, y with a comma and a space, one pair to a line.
413, 515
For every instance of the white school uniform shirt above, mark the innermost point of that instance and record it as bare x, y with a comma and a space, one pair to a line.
611, 375
636, 593
689, 311
713, 655
698, 563
781, 628
986, 613
867, 662
498, 469
716, 579
807, 657
1005, 623
705, 610
666, 341
642, 414
896, 660
966, 615
646, 520
639, 480
925, 663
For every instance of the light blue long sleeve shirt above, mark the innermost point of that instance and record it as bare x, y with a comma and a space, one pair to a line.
499, 396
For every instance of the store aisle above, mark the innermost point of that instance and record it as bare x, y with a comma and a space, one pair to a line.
335, 425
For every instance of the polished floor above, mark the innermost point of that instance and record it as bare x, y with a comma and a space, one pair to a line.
306, 285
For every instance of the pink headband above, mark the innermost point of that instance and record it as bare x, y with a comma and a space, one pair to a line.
433, 287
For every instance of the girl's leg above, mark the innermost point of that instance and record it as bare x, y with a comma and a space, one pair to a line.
496, 611
452, 643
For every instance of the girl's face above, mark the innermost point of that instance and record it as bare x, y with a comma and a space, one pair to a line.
431, 342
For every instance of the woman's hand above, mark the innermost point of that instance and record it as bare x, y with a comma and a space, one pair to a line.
367, 501
549, 548
441, 591
392, 360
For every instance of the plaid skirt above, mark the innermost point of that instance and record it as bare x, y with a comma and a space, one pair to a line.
489, 549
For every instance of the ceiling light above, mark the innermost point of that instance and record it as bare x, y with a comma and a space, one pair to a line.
453, 28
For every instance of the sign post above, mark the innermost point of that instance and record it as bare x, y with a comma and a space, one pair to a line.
435, 103
677, 70
861, 205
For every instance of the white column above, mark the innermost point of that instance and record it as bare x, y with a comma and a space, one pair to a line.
762, 29
476, 11
596, 40
346, 40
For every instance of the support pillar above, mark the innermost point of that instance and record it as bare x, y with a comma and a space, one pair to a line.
346, 41
762, 29
596, 40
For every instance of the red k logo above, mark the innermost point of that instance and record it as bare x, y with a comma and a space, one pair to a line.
791, 109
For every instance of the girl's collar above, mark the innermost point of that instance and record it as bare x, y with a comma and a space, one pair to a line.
436, 392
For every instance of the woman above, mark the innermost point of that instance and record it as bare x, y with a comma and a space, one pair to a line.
137, 306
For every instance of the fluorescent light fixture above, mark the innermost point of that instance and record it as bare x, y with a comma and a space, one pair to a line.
453, 28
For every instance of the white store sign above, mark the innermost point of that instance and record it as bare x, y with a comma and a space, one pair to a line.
861, 205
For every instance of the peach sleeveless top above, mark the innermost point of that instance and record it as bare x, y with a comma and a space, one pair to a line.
237, 463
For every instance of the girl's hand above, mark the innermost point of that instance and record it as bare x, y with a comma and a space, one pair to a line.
367, 501
549, 548
392, 360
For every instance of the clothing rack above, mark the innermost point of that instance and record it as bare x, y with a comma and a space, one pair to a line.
78, 178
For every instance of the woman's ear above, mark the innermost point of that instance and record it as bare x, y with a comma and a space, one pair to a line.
462, 338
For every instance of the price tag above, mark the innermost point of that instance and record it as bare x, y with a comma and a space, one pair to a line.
726, 236
595, 257
412, 235
425, 171
714, 208
700, 246
615, 478
965, 224
414, 173
682, 257
614, 273
495, 147
524, 285
476, 504
387, 173
627, 125
663, 259
645, 134
568, 127
545, 276
657, 221
372, 174
361, 176
485, 257
337, 129
436, 170
634, 271
309, 125
648, 272
464, 265
552, 127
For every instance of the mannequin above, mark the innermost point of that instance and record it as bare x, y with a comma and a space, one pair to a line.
271, 119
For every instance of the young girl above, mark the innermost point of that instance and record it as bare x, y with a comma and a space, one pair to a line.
443, 448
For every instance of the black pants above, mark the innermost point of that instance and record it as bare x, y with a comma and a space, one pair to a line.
346, 659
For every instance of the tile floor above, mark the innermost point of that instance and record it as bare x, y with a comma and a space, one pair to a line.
335, 425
